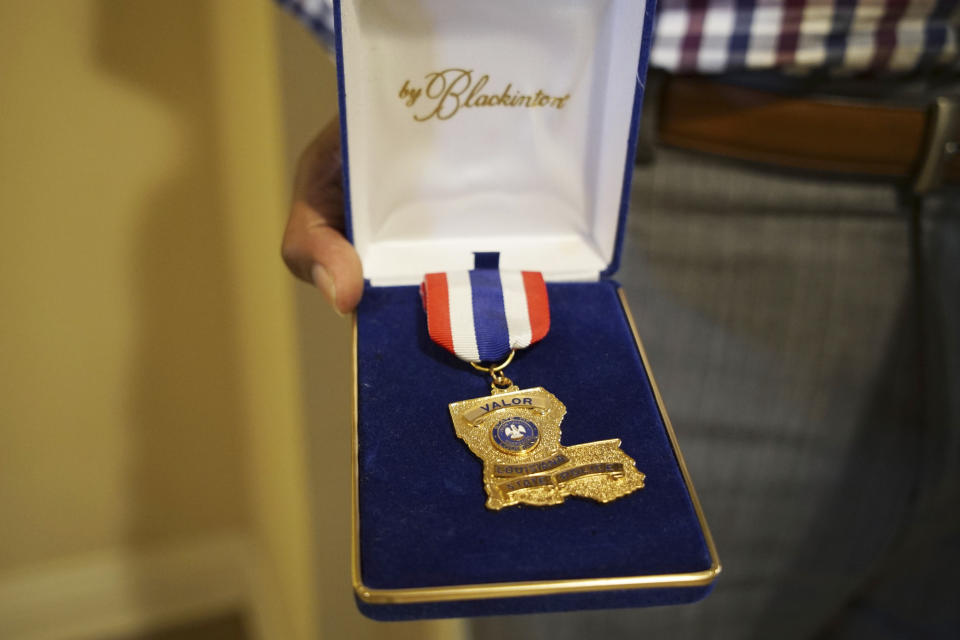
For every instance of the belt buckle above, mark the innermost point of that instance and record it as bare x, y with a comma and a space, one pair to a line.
941, 141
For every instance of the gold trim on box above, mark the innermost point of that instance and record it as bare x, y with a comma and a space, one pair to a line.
530, 588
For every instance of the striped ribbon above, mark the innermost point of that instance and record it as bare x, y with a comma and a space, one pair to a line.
481, 315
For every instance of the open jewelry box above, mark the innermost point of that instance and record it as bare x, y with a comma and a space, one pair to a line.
508, 127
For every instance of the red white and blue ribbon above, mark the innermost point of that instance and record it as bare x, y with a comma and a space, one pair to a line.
481, 315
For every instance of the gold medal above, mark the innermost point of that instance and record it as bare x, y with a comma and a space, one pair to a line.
484, 315
516, 433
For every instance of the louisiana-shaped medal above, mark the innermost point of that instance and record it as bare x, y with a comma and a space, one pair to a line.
516, 433
483, 316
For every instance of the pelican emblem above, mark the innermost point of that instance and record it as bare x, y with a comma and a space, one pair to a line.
515, 435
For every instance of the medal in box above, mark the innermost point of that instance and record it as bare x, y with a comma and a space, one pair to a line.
487, 158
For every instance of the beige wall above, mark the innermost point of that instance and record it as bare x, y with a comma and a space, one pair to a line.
118, 401
165, 389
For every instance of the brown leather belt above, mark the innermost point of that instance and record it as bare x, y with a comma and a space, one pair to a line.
805, 133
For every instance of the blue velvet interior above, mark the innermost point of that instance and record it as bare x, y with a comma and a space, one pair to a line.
422, 516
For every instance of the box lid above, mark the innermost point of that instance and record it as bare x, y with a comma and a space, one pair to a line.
503, 125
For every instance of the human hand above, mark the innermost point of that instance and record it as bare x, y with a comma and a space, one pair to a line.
314, 248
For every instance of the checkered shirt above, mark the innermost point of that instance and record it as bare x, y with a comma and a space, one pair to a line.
720, 36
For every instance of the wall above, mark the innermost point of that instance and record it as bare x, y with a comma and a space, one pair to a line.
120, 424
161, 373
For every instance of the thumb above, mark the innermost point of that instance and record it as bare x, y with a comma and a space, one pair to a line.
319, 254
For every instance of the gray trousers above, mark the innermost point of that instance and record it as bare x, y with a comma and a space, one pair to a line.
805, 335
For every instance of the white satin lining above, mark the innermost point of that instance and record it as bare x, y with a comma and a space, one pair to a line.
540, 185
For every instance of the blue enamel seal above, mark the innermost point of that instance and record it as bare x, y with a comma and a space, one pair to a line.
515, 435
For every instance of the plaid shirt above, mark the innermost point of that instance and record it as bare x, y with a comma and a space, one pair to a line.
717, 36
